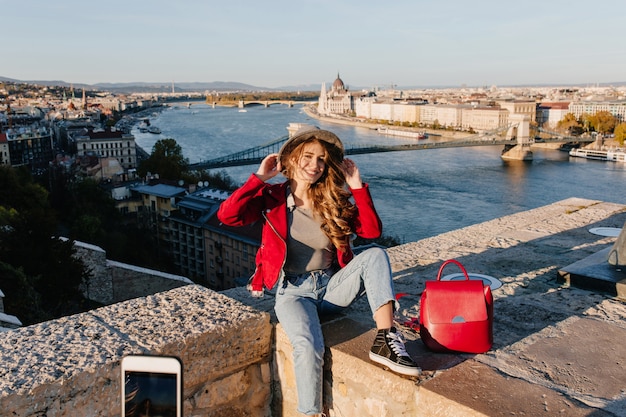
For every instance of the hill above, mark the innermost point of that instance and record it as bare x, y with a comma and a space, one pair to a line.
165, 87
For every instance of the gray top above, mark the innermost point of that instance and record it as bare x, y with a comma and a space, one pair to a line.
308, 248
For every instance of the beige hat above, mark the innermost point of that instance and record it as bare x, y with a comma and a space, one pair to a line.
306, 133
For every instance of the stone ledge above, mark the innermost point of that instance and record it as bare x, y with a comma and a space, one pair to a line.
556, 349
70, 366
538, 323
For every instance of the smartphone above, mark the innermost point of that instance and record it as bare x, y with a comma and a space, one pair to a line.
151, 386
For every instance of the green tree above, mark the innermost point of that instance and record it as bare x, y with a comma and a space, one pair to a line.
219, 180
166, 160
22, 299
38, 267
90, 212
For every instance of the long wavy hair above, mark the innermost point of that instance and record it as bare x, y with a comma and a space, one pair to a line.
331, 199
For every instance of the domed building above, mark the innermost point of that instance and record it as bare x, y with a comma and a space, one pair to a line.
338, 100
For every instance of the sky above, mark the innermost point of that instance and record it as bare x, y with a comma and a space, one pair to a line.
275, 43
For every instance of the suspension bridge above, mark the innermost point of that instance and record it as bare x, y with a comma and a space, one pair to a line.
515, 138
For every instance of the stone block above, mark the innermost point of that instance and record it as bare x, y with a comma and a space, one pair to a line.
70, 366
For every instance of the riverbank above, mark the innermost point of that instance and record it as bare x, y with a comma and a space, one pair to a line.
311, 111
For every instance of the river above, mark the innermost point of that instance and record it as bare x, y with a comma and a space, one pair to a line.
418, 194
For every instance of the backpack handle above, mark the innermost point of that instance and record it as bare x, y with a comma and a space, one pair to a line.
457, 263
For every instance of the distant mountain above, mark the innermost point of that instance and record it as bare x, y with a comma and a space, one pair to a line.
182, 87
166, 87
57, 83
179, 87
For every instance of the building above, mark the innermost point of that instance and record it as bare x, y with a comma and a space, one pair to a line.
157, 204
446, 115
549, 114
337, 101
186, 225
401, 111
526, 107
4, 150
484, 118
27, 145
207, 251
108, 143
616, 108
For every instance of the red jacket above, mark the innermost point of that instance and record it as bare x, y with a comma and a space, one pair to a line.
257, 200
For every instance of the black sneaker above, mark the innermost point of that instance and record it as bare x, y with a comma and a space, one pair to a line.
388, 350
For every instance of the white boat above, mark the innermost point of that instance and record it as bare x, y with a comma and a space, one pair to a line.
154, 129
402, 133
243, 111
144, 125
614, 155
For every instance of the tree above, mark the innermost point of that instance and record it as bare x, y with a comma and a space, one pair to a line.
586, 120
166, 160
22, 300
90, 212
620, 133
38, 269
568, 122
603, 122
219, 180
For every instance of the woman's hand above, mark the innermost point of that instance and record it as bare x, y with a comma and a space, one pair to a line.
269, 168
351, 172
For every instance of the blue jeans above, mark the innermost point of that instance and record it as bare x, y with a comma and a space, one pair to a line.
301, 299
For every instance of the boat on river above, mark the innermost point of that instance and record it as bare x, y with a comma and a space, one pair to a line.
614, 155
154, 129
144, 125
402, 133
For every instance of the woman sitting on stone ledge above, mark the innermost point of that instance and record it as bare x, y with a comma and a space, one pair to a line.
305, 252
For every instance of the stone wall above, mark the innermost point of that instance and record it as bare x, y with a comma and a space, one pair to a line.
71, 366
237, 363
111, 282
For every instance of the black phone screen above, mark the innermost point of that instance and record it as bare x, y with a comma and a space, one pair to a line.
150, 394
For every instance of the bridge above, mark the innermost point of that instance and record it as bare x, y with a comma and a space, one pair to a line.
265, 103
515, 138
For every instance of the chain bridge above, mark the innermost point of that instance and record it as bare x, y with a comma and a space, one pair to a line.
515, 138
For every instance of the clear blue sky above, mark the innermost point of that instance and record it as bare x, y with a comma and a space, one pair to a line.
273, 43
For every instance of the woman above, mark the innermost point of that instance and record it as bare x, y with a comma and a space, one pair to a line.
305, 252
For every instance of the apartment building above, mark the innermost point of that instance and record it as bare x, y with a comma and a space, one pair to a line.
231, 253
617, 108
186, 225
4, 150
404, 111
27, 145
484, 118
549, 114
207, 251
108, 143
526, 107
457, 116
